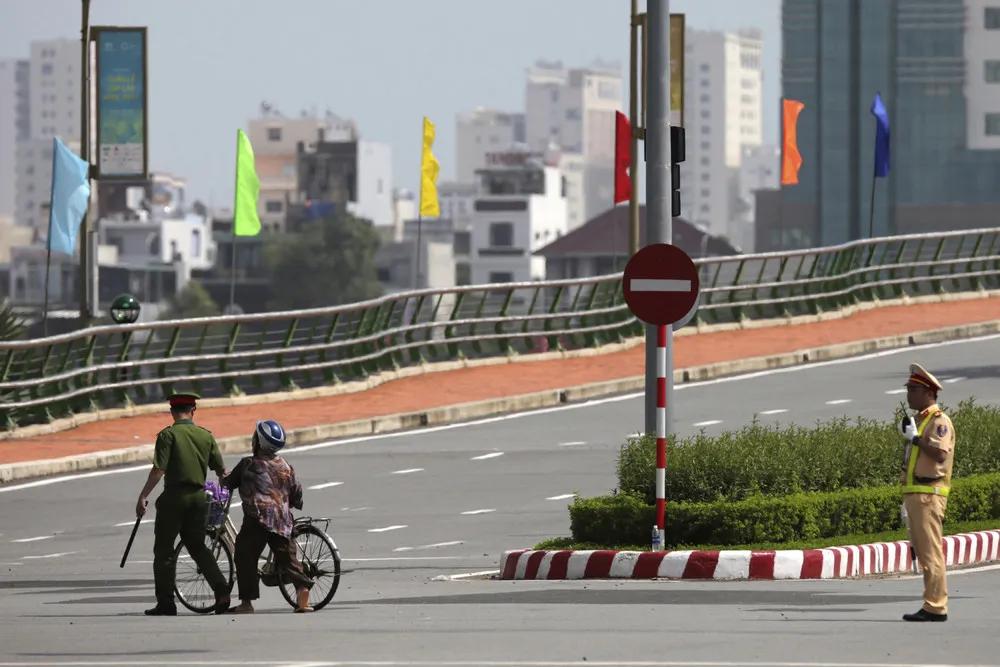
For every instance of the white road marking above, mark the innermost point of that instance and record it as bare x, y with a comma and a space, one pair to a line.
59, 555
479, 511
407, 471
33, 539
838, 401
466, 575
896, 391
382, 530
12, 563
326, 485
909, 349
710, 422
774, 412
491, 455
659, 285
950, 380
354, 509
562, 497
132, 523
575, 443
398, 558
430, 546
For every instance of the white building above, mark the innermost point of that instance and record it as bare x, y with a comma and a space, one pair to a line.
374, 184
722, 114
161, 240
15, 126
519, 208
55, 89
574, 110
480, 132
982, 66
34, 179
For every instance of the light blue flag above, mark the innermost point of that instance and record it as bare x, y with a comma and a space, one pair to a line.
70, 198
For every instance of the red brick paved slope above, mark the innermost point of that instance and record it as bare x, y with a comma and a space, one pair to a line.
440, 389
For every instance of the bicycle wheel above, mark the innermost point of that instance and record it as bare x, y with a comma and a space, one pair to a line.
323, 572
192, 589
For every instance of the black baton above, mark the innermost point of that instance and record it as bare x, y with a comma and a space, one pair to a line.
128, 547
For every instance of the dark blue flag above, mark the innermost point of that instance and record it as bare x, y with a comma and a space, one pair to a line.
881, 137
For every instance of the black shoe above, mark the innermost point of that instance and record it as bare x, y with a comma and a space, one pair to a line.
924, 616
222, 602
162, 610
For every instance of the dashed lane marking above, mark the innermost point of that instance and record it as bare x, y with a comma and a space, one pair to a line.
710, 422
491, 455
325, 485
383, 530
562, 497
838, 401
479, 511
774, 412
35, 539
575, 443
407, 471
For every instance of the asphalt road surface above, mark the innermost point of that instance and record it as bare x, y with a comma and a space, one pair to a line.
409, 509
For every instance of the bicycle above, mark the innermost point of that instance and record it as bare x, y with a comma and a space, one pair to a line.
222, 532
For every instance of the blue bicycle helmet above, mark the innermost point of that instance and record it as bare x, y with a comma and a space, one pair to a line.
270, 436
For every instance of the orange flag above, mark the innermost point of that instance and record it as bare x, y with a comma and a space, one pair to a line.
791, 160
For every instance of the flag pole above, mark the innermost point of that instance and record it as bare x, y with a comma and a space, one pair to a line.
48, 264
871, 208
236, 199
781, 179
420, 212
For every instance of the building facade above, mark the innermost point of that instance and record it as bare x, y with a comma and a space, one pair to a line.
480, 132
520, 207
15, 126
936, 64
723, 84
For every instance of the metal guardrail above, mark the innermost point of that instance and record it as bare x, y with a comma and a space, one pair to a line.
101, 367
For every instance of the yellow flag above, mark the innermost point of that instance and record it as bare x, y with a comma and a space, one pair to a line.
429, 169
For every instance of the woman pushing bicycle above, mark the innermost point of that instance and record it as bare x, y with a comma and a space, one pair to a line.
269, 490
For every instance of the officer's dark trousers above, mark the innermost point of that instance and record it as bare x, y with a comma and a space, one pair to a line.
249, 546
185, 513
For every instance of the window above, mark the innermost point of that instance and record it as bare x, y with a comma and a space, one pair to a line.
501, 277
706, 193
992, 71
705, 161
993, 124
46, 69
991, 18
555, 94
195, 243
704, 83
705, 113
705, 145
704, 67
573, 114
705, 129
273, 206
705, 98
502, 235
274, 134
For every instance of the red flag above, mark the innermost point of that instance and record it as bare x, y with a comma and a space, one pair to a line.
623, 157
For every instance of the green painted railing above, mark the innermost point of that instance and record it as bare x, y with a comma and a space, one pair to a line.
45, 379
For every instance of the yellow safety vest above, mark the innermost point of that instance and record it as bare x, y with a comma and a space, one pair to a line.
910, 486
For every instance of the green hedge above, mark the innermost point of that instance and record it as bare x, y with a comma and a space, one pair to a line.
625, 518
785, 460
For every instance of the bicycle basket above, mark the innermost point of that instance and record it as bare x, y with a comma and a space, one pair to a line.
218, 497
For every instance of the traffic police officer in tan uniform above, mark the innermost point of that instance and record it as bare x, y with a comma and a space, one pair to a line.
182, 455
926, 479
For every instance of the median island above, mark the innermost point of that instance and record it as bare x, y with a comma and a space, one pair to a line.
786, 487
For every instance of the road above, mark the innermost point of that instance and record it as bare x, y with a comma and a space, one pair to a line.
449, 500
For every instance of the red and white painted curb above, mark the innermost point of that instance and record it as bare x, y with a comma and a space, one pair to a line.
827, 563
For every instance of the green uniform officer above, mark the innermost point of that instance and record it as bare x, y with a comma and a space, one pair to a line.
182, 456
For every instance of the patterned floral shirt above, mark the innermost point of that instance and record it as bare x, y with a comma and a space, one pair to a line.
269, 490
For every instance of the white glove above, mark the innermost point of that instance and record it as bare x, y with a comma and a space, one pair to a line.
908, 429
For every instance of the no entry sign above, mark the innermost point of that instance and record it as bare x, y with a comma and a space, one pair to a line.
660, 284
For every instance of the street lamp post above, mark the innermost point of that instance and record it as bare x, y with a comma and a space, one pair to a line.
84, 282
124, 309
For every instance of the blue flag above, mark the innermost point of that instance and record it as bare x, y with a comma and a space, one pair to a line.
881, 137
70, 198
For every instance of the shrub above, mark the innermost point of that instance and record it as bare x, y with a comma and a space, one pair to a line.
626, 518
780, 461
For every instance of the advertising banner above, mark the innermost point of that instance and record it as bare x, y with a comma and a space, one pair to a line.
122, 129
677, 70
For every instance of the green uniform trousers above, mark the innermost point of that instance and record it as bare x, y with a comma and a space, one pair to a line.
184, 513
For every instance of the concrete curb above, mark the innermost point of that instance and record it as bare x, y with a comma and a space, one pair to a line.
373, 381
866, 560
12, 472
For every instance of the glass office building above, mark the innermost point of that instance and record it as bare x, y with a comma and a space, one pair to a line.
837, 54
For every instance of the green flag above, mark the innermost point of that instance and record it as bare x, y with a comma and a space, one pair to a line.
245, 220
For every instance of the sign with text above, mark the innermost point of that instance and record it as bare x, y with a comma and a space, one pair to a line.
510, 158
122, 104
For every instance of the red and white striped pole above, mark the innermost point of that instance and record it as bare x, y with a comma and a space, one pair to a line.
661, 429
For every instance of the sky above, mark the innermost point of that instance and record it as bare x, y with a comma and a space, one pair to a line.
384, 63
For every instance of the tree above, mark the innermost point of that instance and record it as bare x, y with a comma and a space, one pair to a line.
192, 301
331, 262
12, 326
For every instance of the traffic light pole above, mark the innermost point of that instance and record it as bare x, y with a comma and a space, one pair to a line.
659, 197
